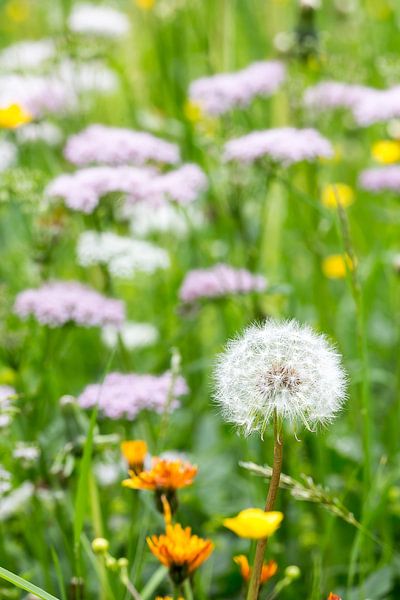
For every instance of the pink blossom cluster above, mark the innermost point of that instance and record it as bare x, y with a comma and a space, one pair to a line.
220, 93
83, 189
116, 146
381, 178
125, 395
378, 105
286, 145
220, 280
59, 302
335, 94
36, 94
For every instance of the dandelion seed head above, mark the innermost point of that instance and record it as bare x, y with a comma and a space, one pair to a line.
279, 366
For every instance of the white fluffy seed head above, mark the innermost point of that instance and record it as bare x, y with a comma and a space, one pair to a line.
279, 366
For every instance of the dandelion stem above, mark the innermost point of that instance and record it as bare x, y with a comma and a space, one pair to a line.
254, 585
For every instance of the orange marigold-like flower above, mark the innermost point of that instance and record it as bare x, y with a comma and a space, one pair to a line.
333, 596
134, 452
268, 569
180, 551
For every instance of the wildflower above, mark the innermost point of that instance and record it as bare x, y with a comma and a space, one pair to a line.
220, 93
100, 545
386, 151
292, 572
145, 4
148, 218
133, 335
28, 55
180, 551
378, 105
125, 395
17, 10
334, 94
193, 112
381, 179
268, 569
285, 145
337, 192
134, 452
254, 523
35, 94
336, 266
61, 302
13, 116
220, 280
26, 452
8, 155
164, 478
101, 21
116, 146
333, 596
283, 368
123, 256
45, 132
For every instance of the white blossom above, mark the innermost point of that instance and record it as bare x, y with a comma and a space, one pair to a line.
133, 335
92, 19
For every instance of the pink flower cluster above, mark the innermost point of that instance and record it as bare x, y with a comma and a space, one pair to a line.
220, 280
285, 145
36, 94
59, 302
378, 105
116, 146
82, 190
380, 179
220, 93
125, 395
335, 94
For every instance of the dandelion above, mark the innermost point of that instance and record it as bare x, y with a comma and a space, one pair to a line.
335, 193
220, 280
180, 551
220, 93
164, 478
285, 145
103, 21
386, 152
336, 266
134, 452
268, 569
254, 523
283, 371
14, 116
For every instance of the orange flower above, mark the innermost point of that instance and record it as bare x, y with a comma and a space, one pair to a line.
180, 551
134, 452
333, 596
268, 569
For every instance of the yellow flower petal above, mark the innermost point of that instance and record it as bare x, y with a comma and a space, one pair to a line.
386, 152
254, 523
336, 266
335, 192
14, 116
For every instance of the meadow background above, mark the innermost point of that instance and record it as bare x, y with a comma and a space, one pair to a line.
268, 219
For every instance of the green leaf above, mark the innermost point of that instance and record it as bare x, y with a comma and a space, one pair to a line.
25, 585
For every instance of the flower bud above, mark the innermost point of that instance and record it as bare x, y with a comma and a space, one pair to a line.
292, 572
123, 563
100, 545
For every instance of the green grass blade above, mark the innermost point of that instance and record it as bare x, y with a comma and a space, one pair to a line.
23, 584
58, 571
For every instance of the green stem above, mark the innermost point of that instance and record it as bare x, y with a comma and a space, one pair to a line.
187, 588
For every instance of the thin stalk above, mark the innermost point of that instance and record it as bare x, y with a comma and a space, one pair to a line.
254, 585
187, 588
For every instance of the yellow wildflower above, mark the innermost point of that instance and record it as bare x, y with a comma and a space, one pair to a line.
192, 111
134, 452
17, 10
254, 523
386, 152
335, 192
14, 116
336, 266
145, 4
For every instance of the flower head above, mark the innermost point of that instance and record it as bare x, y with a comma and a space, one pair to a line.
336, 266
386, 152
164, 475
101, 21
180, 551
333, 596
335, 193
268, 569
134, 452
254, 523
283, 368
14, 116
381, 179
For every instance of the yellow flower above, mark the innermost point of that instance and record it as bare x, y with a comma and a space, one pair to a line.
337, 191
386, 152
14, 116
268, 569
192, 111
164, 475
7, 376
180, 551
336, 266
17, 10
254, 523
168, 598
134, 452
145, 4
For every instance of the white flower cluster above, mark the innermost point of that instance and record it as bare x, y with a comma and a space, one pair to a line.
28, 55
40, 132
133, 335
122, 255
8, 155
146, 218
92, 19
280, 367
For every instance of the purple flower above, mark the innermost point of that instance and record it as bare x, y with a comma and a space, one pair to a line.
116, 146
335, 94
285, 145
380, 179
36, 94
125, 395
60, 302
378, 105
220, 280
220, 93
